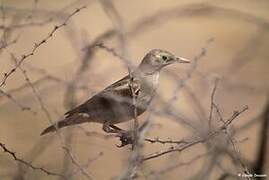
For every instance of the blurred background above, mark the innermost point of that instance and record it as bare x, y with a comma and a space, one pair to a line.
227, 42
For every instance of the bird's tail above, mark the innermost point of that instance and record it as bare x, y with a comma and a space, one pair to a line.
68, 121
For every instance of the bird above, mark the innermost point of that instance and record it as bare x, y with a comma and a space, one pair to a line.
115, 104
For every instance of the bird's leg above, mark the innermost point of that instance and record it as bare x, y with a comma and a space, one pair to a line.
117, 128
126, 137
110, 128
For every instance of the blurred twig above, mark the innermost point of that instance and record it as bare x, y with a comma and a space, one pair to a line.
212, 103
262, 152
117, 21
11, 98
193, 67
74, 161
170, 168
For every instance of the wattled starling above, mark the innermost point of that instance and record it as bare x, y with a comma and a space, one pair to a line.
115, 104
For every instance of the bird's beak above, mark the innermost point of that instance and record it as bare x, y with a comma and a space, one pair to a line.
182, 60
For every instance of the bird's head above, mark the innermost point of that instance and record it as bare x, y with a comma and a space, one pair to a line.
157, 59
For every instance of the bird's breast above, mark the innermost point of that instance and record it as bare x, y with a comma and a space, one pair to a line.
151, 82
155, 80
148, 89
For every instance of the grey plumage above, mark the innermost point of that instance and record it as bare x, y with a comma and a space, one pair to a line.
114, 104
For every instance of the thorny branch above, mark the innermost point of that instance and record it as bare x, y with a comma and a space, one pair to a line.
157, 140
34, 90
37, 45
17, 65
229, 137
198, 141
6, 150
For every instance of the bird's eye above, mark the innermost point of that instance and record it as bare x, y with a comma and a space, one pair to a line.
164, 58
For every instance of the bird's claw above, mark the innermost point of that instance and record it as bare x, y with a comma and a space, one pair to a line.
125, 138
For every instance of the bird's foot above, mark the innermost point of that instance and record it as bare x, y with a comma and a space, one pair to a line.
130, 137
126, 137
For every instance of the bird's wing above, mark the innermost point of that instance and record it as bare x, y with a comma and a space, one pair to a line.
119, 89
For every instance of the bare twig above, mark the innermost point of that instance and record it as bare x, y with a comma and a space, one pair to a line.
34, 90
157, 140
237, 156
6, 150
180, 148
212, 103
37, 45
